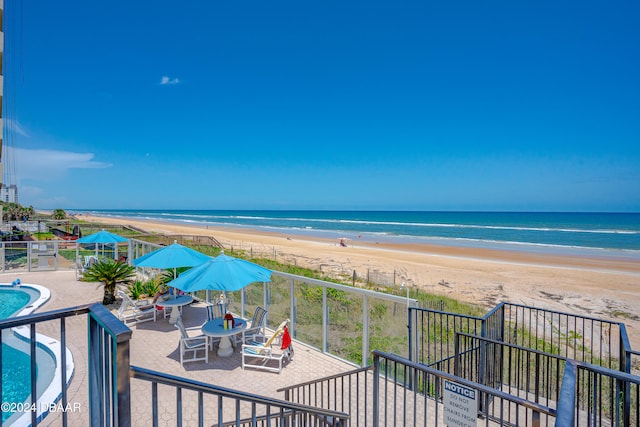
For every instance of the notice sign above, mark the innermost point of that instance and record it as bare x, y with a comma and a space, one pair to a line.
460, 405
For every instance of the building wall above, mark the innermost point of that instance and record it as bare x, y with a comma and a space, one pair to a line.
1, 84
9, 194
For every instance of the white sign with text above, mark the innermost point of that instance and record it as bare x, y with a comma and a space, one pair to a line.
460, 405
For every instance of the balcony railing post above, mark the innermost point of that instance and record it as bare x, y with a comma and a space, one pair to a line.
409, 333
365, 330
325, 321
376, 390
292, 308
28, 248
456, 352
124, 384
109, 395
625, 366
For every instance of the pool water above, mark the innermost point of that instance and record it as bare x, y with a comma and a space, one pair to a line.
16, 363
12, 301
16, 377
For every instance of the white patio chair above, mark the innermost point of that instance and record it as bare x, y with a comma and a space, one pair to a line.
193, 344
214, 311
80, 269
269, 355
131, 312
255, 327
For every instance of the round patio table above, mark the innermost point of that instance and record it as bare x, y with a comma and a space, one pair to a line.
175, 303
215, 328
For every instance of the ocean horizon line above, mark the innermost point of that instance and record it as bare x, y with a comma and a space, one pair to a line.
596, 234
81, 210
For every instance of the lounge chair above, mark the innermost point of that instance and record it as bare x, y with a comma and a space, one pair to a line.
131, 312
276, 349
255, 326
193, 344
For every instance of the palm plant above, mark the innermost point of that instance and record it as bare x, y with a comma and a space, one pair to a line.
110, 273
136, 289
152, 286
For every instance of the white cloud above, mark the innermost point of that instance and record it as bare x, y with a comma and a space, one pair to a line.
166, 80
45, 165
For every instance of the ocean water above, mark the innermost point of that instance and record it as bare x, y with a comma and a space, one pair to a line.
601, 234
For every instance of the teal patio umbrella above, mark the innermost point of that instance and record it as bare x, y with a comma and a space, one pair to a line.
222, 273
172, 256
101, 237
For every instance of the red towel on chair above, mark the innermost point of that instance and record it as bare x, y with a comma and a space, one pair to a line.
286, 339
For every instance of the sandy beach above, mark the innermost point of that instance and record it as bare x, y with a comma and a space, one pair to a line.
597, 287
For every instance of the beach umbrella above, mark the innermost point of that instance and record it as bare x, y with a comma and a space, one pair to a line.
172, 256
101, 237
222, 273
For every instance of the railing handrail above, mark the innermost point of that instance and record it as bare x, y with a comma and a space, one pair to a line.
567, 399
480, 387
618, 375
185, 383
100, 312
493, 311
448, 313
348, 288
515, 346
46, 316
325, 379
546, 310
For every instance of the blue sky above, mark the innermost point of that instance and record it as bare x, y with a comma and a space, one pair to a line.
457, 105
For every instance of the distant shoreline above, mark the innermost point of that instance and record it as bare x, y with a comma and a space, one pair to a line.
587, 260
541, 233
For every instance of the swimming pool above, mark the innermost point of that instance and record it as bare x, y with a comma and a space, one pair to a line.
16, 365
13, 300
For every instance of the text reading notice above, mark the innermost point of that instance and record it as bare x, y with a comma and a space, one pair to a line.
460, 405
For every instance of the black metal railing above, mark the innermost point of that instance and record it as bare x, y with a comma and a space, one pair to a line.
577, 337
595, 341
432, 334
517, 370
411, 394
595, 396
348, 392
219, 406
